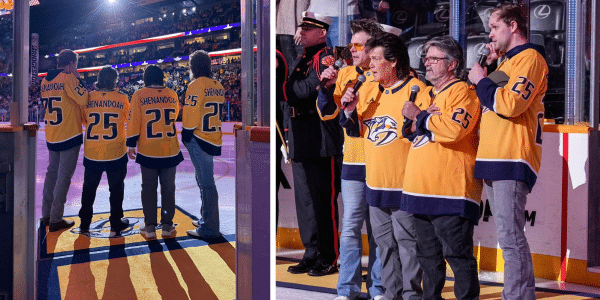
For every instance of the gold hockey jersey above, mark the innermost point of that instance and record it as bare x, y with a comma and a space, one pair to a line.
151, 127
513, 118
379, 114
104, 117
438, 179
353, 167
202, 114
63, 96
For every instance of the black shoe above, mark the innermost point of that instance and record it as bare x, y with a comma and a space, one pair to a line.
119, 227
62, 224
302, 267
321, 269
82, 230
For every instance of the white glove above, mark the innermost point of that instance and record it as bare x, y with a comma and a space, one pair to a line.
285, 155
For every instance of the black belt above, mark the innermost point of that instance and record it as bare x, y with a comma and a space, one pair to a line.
299, 112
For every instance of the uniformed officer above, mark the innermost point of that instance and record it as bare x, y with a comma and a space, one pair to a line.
315, 148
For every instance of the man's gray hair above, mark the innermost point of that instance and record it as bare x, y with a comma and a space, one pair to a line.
453, 51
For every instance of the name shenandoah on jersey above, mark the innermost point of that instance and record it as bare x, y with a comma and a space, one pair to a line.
53, 87
155, 100
104, 103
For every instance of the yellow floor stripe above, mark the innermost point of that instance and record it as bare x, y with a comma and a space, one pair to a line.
191, 273
489, 259
330, 281
67, 240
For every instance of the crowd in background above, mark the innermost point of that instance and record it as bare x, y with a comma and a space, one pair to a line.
152, 53
175, 78
219, 14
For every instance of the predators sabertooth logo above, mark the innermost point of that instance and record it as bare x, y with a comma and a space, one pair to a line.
382, 130
420, 141
101, 228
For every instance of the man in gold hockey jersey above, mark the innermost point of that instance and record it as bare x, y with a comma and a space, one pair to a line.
439, 188
510, 150
104, 150
356, 210
151, 128
63, 95
375, 115
201, 135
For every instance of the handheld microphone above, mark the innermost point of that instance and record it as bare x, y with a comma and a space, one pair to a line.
360, 80
413, 95
338, 64
483, 56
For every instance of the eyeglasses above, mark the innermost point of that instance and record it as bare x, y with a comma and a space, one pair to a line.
433, 60
357, 46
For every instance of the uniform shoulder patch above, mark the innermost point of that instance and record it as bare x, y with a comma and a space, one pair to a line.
328, 60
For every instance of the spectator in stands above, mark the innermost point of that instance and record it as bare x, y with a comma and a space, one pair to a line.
201, 135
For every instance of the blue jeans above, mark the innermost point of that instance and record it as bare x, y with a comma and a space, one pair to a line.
209, 207
356, 212
507, 200
333, 32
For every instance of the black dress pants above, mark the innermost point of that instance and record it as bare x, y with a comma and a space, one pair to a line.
116, 186
316, 188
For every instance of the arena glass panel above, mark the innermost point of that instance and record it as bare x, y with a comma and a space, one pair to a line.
546, 28
6, 68
419, 21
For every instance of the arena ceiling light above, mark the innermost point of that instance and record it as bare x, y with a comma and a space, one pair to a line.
111, 2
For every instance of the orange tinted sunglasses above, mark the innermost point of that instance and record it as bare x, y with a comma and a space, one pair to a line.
357, 46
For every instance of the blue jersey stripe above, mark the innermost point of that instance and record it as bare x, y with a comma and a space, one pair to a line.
208, 147
108, 165
439, 206
353, 172
383, 198
66, 145
159, 162
505, 170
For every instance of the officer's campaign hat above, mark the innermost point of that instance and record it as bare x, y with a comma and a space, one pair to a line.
391, 29
311, 19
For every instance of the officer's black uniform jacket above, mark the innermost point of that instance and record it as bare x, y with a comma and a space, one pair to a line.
306, 134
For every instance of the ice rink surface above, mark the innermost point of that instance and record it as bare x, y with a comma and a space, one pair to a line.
187, 193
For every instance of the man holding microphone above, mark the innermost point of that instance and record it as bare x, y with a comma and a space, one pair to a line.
356, 210
375, 113
510, 149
